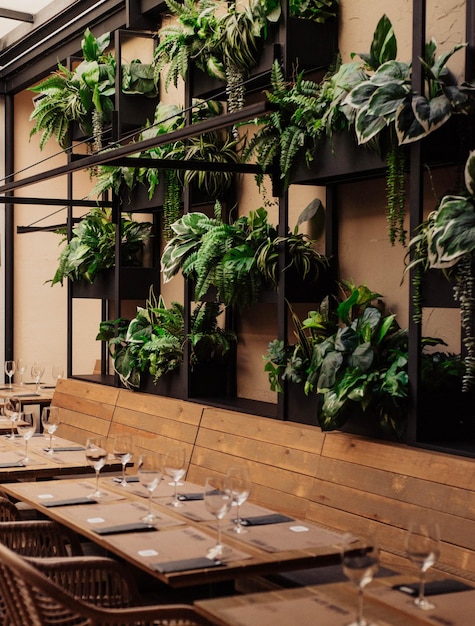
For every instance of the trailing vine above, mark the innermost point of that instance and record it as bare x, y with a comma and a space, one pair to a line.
171, 202
396, 194
463, 293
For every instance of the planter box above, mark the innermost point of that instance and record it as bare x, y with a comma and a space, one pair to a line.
299, 407
134, 284
136, 200
170, 385
307, 46
205, 381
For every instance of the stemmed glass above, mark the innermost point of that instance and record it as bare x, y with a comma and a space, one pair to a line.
239, 484
150, 474
174, 466
50, 421
26, 426
37, 371
58, 372
21, 366
10, 367
12, 409
96, 456
123, 452
218, 502
360, 559
423, 549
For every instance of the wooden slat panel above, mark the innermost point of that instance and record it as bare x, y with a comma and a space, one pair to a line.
155, 405
424, 493
289, 434
71, 388
400, 459
149, 426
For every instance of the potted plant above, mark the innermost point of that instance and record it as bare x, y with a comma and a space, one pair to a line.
354, 358
213, 147
153, 343
237, 259
445, 241
85, 94
91, 249
374, 97
225, 40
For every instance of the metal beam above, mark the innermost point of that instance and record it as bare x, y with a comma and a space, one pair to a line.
112, 155
190, 164
16, 15
53, 201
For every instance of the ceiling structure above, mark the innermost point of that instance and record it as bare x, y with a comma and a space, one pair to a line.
13, 13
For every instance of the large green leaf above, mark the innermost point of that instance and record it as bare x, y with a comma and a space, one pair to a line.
384, 44
408, 127
386, 100
469, 173
367, 125
453, 232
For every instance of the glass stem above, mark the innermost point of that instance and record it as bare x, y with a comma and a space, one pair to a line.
51, 441
97, 481
123, 474
219, 532
150, 494
238, 517
420, 599
360, 619
26, 448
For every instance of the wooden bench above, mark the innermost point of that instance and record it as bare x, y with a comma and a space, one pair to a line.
343, 481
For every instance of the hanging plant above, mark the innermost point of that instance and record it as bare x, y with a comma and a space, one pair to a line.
237, 258
154, 340
92, 246
446, 241
86, 94
211, 147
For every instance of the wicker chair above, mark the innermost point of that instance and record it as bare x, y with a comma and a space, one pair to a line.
39, 538
98, 580
8, 511
31, 598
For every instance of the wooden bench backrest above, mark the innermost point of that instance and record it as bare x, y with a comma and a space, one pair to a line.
379, 486
155, 422
86, 409
282, 457
336, 479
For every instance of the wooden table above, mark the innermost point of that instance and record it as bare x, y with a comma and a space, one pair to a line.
180, 533
70, 460
27, 394
335, 605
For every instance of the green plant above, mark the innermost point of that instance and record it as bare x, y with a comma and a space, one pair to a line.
221, 39
237, 259
315, 10
154, 340
303, 113
85, 94
353, 356
214, 147
92, 247
446, 241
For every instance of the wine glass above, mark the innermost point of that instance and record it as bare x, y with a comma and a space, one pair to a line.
360, 559
239, 484
96, 456
123, 451
218, 501
21, 366
150, 474
50, 421
57, 372
37, 371
10, 367
12, 409
174, 466
26, 426
423, 549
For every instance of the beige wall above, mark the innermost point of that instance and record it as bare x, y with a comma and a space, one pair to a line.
366, 255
